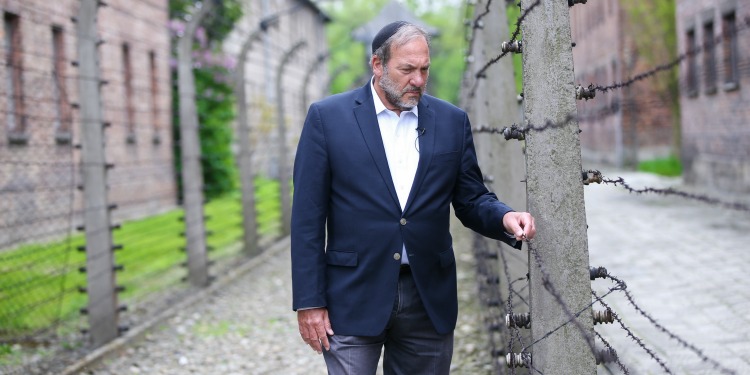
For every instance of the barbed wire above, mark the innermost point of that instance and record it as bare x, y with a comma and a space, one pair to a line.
664, 330
674, 63
477, 23
547, 283
515, 334
602, 112
480, 74
671, 191
617, 358
630, 334
619, 181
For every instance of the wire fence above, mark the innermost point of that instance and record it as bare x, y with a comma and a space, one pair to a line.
46, 261
43, 261
494, 262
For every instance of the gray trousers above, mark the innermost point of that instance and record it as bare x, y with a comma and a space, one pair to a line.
412, 347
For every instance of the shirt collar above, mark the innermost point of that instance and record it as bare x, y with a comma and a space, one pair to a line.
379, 106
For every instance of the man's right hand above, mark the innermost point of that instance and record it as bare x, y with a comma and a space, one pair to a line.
314, 327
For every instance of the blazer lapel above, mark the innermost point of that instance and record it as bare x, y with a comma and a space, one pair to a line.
426, 147
364, 112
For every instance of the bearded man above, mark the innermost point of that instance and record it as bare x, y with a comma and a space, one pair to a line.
376, 171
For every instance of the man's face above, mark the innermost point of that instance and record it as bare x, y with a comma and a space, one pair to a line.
404, 79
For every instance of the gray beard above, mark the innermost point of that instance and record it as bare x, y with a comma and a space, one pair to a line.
393, 94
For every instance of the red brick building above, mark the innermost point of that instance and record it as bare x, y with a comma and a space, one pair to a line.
714, 97
41, 126
621, 126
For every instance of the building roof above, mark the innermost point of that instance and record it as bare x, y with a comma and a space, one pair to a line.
391, 12
316, 9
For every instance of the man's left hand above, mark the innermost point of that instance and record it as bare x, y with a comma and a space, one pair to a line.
520, 225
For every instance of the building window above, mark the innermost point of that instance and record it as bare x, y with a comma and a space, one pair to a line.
154, 97
59, 88
729, 33
16, 119
692, 67
127, 79
709, 57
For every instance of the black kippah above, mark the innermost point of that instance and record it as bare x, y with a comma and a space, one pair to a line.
386, 32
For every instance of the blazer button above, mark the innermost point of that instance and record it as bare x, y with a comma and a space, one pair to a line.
402, 221
397, 256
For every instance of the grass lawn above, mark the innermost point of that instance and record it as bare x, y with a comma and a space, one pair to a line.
39, 283
669, 166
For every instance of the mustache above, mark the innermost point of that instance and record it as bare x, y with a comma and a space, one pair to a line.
412, 89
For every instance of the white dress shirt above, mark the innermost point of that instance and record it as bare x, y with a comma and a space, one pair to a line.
399, 135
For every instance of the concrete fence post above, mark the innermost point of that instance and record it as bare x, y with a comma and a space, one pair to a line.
308, 76
101, 285
284, 167
493, 104
555, 196
244, 158
192, 174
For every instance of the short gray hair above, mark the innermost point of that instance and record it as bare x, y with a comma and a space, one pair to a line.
405, 34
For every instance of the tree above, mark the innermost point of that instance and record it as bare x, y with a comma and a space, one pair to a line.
447, 60
656, 42
215, 99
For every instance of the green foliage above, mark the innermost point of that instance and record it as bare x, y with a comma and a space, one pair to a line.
345, 51
217, 23
215, 99
656, 38
447, 62
513, 12
36, 274
670, 166
447, 53
216, 111
653, 27
150, 258
269, 208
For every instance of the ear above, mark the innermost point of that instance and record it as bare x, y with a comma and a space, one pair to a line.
377, 66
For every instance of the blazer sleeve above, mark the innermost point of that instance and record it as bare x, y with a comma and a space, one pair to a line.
475, 206
312, 180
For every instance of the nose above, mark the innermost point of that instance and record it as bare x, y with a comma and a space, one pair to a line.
417, 79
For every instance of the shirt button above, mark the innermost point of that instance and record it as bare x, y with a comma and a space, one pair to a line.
402, 221
397, 256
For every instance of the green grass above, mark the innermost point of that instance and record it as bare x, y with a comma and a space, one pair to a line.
39, 282
669, 166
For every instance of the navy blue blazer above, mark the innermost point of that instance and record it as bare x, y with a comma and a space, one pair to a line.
342, 185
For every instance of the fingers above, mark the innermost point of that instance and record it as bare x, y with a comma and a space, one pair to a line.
529, 228
520, 224
323, 339
310, 338
314, 327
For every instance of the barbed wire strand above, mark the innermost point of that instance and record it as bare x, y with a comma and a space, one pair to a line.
632, 335
669, 333
480, 74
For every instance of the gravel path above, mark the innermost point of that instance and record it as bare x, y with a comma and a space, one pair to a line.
248, 327
685, 263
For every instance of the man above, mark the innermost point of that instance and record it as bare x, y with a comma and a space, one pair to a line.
376, 170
